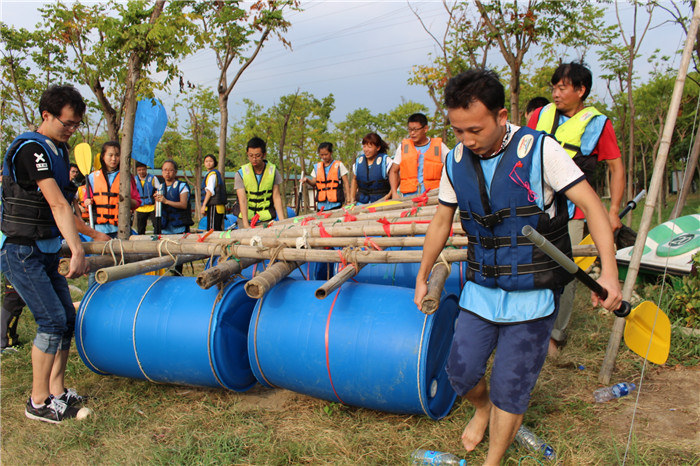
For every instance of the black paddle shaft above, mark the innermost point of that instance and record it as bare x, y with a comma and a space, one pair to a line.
571, 267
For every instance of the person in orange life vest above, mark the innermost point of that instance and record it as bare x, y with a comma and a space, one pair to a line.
330, 178
147, 185
372, 182
103, 190
418, 161
79, 203
589, 137
257, 186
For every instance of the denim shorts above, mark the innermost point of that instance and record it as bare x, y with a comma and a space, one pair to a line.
35, 277
521, 349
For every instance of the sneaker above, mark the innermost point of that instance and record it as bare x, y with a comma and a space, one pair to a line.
9, 350
71, 397
53, 411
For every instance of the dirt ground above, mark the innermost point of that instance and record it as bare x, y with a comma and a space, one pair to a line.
668, 409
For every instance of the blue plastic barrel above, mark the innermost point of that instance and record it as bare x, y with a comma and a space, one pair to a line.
167, 329
404, 275
364, 345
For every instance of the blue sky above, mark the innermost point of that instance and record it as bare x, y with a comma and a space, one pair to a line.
360, 51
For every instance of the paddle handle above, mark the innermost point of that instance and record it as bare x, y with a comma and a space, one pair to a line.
571, 267
633, 203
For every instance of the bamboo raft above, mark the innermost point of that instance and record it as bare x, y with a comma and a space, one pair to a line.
353, 237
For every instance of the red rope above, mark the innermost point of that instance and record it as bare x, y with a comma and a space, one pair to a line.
328, 365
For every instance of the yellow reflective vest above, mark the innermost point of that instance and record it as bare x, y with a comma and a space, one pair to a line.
259, 195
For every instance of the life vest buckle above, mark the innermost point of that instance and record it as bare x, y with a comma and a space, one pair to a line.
489, 271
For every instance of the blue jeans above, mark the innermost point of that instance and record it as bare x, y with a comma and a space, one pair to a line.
35, 277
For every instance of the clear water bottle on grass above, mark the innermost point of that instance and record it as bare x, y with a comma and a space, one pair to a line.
616, 391
532, 442
431, 457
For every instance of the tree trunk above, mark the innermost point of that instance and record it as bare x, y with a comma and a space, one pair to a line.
223, 130
132, 80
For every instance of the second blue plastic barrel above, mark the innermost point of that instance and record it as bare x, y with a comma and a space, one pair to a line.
364, 345
167, 329
404, 275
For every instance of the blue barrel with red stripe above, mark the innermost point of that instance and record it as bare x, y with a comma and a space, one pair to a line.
404, 275
167, 329
364, 345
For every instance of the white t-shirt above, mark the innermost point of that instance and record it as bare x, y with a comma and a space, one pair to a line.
560, 172
343, 170
389, 162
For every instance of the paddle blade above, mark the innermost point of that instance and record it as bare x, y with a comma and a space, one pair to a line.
97, 164
585, 262
638, 332
83, 157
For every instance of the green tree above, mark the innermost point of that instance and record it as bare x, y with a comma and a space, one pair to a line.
237, 34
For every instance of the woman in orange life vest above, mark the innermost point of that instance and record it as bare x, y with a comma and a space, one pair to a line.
330, 178
371, 182
103, 190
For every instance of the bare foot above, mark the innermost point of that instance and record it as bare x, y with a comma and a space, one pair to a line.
474, 432
553, 350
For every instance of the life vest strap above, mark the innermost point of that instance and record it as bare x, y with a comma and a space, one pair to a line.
490, 220
495, 271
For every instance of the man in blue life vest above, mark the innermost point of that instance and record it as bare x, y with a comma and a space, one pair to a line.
503, 177
214, 192
146, 185
418, 161
588, 137
257, 186
36, 213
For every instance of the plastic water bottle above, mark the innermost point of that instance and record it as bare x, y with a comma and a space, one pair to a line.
616, 391
532, 442
431, 457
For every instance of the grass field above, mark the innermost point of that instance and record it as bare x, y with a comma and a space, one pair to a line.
139, 422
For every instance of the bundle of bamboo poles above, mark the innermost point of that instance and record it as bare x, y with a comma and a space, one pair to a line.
352, 236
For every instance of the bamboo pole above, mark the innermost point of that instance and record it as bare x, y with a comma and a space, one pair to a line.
650, 203
431, 301
273, 274
338, 279
223, 271
117, 272
99, 262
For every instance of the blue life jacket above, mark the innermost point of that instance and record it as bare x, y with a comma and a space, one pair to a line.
146, 191
219, 197
372, 180
171, 217
499, 256
26, 214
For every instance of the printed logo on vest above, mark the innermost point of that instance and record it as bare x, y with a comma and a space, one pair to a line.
525, 145
379, 160
360, 159
52, 146
586, 116
458, 153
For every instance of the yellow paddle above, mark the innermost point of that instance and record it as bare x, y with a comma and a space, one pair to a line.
83, 158
647, 329
585, 262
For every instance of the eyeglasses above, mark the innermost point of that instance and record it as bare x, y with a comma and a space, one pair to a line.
72, 126
415, 130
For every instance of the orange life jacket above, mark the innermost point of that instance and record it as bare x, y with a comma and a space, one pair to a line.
432, 166
105, 198
329, 189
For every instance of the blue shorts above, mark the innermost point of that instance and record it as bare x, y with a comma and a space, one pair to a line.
35, 277
521, 349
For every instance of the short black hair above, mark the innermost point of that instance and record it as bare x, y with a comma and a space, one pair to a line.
475, 85
139, 164
73, 165
326, 145
577, 73
257, 143
418, 118
535, 103
170, 161
58, 96
212, 157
